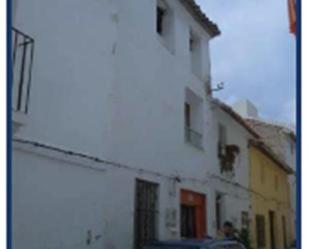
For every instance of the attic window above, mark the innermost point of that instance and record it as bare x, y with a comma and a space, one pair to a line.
160, 19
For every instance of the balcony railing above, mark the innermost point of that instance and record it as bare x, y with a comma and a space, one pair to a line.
193, 137
23, 51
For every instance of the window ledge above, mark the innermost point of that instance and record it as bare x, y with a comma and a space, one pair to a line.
164, 42
19, 120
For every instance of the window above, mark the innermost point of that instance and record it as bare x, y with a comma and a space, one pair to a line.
193, 117
262, 173
187, 114
146, 212
285, 243
222, 139
276, 183
165, 24
195, 47
218, 211
160, 19
260, 231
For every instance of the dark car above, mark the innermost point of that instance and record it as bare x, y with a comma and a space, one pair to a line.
194, 244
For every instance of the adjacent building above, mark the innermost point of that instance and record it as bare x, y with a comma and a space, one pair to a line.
230, 180
272, 221
280, 138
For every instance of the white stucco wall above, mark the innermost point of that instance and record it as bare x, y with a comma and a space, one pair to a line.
103, 84
73, 71
58, 198
235, 187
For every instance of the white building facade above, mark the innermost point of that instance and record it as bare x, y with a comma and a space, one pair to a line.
115, 140
231, 176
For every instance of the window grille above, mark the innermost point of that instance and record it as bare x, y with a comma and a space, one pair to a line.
146, 212
260, 231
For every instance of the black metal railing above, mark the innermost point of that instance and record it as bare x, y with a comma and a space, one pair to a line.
23, 52
194, 137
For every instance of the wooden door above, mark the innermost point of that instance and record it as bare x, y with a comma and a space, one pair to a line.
193, 214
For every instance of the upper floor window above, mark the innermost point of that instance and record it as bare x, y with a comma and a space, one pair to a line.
263, 174
276, 183
160, 18
227, 153
222, 139
165, 24
193, 115
195, 48
161, 11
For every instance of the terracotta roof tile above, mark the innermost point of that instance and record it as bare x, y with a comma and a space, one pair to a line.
263, 138
200, 16
235, 116
269, 152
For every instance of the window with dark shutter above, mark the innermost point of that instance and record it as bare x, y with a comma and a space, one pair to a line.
222, 139
160, 17
260, 231
187, 115
218, 211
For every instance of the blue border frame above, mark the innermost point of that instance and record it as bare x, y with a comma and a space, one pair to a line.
9, 125
298, 125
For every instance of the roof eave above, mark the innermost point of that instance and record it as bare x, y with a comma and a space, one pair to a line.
262, 147
236, 117
210, 27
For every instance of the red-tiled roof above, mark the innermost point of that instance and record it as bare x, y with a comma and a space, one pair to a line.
200, 17
268, 151
258, 141
224, 107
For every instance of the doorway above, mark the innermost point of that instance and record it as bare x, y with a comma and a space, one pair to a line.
285, 242
193, 215
218, 211
272, 229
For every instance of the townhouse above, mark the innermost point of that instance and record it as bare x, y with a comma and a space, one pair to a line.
112, 121
230, 178
272, 179
272, 223
281, 139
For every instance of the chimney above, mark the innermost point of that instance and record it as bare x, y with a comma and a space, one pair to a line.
246, 109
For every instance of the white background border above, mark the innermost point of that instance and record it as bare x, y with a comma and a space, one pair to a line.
305, 122
3, 124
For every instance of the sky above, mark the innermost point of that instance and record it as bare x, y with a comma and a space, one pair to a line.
255, 55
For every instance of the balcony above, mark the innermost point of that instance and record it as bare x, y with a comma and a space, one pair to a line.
23, 52
194, 138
